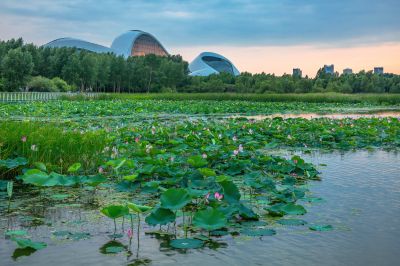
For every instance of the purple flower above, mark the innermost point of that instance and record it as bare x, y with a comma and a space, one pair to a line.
23, 139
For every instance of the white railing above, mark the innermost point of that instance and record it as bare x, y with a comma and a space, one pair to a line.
39, 96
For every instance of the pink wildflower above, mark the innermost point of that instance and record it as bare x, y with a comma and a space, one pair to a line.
235, 152
101, 170
204, 156
234, 138
137, 139
23, 139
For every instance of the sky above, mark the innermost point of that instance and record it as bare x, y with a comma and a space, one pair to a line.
271, 36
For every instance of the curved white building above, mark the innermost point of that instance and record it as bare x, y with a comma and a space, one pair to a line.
208, 63
131, 43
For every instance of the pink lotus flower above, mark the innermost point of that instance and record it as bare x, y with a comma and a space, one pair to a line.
218, 196
130, 233
204, 156
23, 139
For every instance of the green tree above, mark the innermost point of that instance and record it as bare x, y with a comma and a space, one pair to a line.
16, 68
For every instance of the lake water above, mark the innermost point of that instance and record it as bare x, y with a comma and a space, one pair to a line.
361, 200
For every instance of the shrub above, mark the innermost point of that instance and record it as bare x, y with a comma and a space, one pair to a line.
40, 83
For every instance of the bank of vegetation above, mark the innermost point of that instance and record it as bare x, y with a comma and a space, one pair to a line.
32, 68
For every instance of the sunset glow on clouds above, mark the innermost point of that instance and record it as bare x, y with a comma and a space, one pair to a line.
258, 35
282, 59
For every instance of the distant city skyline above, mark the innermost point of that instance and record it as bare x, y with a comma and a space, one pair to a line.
257, 36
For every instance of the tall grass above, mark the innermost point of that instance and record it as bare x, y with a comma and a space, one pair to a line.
51, 144
373, 98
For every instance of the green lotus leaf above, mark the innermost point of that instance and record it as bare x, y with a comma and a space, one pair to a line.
74, 168
258, 232
231, 191
207, 172
131, 177
59, 196
16, 233
35, 177
291, 222
247, 213
40, 166
209, 219
275, 210
186, 243
27, 243
93, 180
197, 161
13, 163
138, 208
293, 209
114, 249
160, 216
175, 198
222, 178
115, 211
321, 228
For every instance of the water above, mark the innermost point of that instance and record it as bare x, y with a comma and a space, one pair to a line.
361, 192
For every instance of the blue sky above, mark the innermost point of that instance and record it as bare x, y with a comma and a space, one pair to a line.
181, 24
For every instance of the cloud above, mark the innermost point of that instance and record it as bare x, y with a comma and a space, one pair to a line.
207, 22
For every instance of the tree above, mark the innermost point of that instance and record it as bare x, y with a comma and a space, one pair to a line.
16, 68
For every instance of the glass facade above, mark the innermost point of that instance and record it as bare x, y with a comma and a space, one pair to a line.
146, 44
218, 64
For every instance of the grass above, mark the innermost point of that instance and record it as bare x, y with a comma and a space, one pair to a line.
51, 144
375, 98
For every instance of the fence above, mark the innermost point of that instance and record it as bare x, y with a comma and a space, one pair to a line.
38, 96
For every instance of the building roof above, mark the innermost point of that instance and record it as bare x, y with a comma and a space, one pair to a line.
80, 44
122, 45
199, 66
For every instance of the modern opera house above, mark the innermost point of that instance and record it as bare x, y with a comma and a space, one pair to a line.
139, 43
208, 63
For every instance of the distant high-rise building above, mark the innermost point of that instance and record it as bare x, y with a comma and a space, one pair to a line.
329, 69
378, 70
347, 71
297, 72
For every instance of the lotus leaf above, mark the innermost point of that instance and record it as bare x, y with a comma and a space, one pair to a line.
115, 211
175, 198
160, 216
209, 219
186, 243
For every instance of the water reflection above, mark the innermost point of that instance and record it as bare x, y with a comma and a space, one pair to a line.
361, 199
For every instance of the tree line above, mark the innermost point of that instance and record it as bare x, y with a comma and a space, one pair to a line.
29, 67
